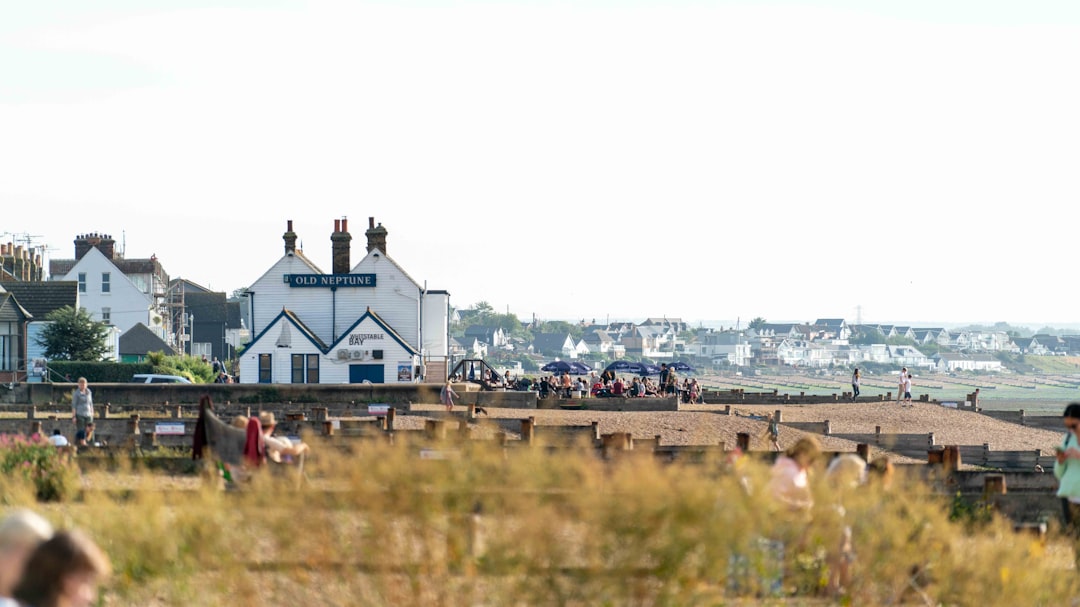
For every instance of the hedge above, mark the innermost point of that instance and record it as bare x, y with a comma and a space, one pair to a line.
97, 372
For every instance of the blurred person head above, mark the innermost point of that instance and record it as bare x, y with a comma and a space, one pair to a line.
20, 533
240, 421
1071, 417
880, 471
805, 451
63, 571
846, 470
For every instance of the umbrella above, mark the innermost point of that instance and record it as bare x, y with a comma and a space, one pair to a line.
649, 369
624, 366
558, 366
680, 367
579, 368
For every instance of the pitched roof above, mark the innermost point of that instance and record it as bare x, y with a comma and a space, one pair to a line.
383, 325
546, 342
10, 310
139, 340
206, 307
41, 298
288, 316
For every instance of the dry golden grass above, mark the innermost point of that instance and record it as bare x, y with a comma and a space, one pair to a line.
379, 526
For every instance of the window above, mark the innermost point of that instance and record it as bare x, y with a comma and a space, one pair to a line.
82, 282
305, 368
106, 315
8, 340
106, 286
264, 369
376, 354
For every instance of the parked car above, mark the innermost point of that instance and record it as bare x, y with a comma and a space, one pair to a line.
154, 378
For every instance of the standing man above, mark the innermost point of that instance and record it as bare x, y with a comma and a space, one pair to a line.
900, 387
907, 390
664, 372
82, 405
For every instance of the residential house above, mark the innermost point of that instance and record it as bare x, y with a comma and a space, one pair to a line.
908, 356
494, 337
832, 329
138, 342
114, 290
729, 348
40, 299
959, 361
560, 345
20, 264
13, 321
601, 342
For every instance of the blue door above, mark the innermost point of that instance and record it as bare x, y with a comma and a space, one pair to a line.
372, 373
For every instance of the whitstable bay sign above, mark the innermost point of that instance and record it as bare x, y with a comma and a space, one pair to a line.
330, 281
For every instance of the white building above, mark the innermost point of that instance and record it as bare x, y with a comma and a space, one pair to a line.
365, 323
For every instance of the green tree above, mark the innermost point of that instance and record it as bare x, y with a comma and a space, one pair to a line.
757, 323
73, 335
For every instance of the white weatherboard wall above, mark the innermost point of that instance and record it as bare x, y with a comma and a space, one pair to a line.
127, 305
357, 344
270, 294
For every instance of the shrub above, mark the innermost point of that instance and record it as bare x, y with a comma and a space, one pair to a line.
37, 462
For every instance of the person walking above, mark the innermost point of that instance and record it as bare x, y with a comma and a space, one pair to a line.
907, 391
82, 405
446, 396
856, 379
773, 431
1067, 471
900, 386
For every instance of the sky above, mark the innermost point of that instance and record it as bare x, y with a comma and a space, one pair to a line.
884, 161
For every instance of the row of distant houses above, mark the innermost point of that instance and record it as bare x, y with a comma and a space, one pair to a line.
822, 344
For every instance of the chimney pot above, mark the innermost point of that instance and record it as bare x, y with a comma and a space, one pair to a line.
370, 222
337, 225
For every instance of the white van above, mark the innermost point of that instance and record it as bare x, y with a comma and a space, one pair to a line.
154, 378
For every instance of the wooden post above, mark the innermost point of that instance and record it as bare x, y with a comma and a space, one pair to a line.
320, 413
826, 428
742, 441
328, 428
727, 409
472, 410
435, 429
930, 439
986, 453
35, 428
527, 426
179, 411
935, 456
778, 415
1022, 417
133, 425
391, 414
994, 484
596, 431
31, 412
863, 450
105, 410
877, 434
616, 441
951, 458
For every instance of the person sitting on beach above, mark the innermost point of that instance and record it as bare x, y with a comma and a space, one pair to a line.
58, 439
618, 388
650, 388
278, 448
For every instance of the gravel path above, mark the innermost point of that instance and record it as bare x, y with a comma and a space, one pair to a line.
708, 425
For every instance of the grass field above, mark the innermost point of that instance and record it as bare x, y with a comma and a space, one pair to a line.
380, 526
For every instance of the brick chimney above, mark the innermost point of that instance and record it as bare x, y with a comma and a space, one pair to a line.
376, 236
340, 240
290, 239
103, 243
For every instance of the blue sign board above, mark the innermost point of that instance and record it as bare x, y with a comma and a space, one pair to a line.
330, 280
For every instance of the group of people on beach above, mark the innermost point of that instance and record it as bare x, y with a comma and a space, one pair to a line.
43, 567
903, 388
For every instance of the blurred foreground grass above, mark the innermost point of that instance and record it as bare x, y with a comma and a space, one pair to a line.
380, 526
